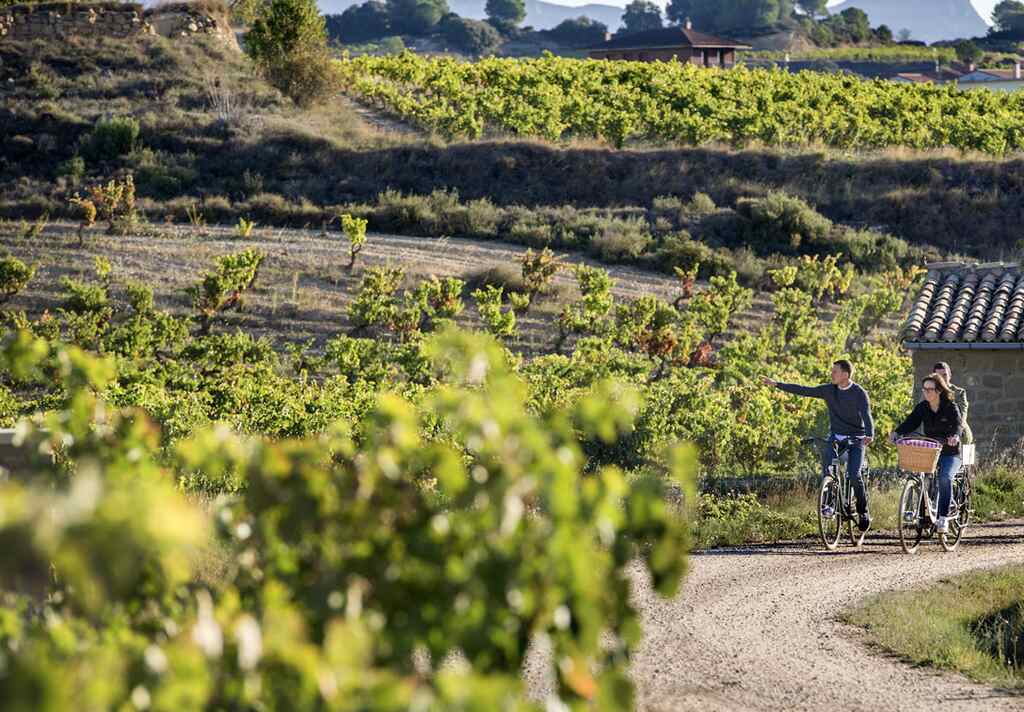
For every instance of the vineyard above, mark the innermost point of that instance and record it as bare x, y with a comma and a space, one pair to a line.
355, 483
618, 102
268, 469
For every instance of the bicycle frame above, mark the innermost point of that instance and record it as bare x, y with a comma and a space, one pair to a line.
917, 518
836, 507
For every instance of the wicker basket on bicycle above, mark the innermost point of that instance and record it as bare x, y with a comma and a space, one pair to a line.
917, 455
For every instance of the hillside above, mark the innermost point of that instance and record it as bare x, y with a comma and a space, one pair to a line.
238, 149
927, 20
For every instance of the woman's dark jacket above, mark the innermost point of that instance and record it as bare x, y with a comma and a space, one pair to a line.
940, 424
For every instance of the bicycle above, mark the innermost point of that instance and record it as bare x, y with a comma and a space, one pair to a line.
918, 513
836, 502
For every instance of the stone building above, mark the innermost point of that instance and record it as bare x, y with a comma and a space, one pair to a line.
682, 44
972, 317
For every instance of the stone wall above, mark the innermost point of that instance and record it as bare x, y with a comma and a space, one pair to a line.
994, 380
115, 20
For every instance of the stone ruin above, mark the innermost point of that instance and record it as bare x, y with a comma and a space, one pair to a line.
64, 20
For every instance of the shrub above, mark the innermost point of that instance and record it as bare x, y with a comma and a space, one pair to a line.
113, 202
88, 215
470, 36
416, 17
625, 240
360, 23
589, 313
681, 250
244, 228
111, 138
488, 303
355, 232
73, 168
782, 223
539, 269
579, 32
376, 303
223, 289
14, 277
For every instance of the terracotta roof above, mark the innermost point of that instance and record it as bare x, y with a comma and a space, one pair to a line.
668, 37
968, 304
943, 75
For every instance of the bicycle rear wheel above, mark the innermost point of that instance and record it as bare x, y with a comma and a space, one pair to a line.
910, 515
850, 514
830, 515
965, 498
957, 524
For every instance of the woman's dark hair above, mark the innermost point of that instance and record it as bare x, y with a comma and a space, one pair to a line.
941, 384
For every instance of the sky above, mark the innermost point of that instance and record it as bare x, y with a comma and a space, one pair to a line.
984, 7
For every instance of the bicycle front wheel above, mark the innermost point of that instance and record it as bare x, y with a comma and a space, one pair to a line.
830, 515
910, 515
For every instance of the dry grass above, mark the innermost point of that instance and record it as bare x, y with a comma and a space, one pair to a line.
940, 626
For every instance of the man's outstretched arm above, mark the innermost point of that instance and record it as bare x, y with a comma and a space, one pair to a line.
807, 391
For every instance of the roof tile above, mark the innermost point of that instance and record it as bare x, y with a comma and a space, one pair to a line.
968, 303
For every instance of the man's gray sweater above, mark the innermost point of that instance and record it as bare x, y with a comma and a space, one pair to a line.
849, 411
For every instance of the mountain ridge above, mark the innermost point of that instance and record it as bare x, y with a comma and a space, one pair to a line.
928, 20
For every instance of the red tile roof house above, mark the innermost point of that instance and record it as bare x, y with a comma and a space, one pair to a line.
972, 317
682, 44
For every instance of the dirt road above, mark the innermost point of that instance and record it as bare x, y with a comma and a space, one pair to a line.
756, 629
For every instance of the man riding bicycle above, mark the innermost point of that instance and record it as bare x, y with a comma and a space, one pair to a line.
851, 425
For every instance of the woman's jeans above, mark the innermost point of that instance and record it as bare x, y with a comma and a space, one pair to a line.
949, 465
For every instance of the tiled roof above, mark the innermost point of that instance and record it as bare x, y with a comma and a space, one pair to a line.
968, 304
668, 37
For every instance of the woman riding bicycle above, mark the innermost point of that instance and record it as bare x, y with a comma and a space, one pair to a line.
941, 420
959, 397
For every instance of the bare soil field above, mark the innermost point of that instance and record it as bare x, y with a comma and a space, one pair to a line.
304, 286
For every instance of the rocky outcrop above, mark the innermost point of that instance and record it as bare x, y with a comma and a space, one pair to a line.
117, 20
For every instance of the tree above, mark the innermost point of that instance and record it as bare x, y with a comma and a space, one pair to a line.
855, 23
679, 11
813, 8
579, 32
470, 36
730, 14
1008, 16
967, 52
416, 17
904, 35
884, 34
288, 43
505, 13
641, 15
283, 27
360, 23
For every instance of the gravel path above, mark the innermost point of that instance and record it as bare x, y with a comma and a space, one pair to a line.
755, 629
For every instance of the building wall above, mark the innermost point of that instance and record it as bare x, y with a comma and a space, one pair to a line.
994, 380
678, 54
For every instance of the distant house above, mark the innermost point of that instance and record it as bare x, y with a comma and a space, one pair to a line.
682, 44
968, 78
943, 75
993, 79
972, 317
